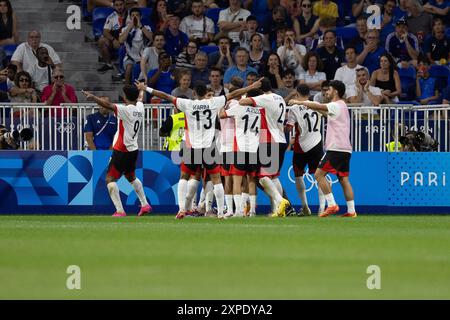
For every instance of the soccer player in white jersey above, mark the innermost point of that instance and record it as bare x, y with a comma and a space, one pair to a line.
308, 149
201, 115
272, 143
125, 146
247, 122
337, 146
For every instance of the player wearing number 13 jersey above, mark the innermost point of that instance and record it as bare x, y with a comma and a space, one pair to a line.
125, 146
201, 115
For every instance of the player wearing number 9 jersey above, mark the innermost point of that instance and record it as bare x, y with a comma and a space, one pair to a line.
125, 146
272, 144
201, 115
308, 148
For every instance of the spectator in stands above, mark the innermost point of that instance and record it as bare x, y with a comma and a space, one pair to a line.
58, 92
289, 83
418, 20
274, 71
160, 17
222, 59
23, 90
134, 36
426, 90
359, 7
291, 54
401, 11
197, 25
184, 83
293, 8
150, 56
332, 56
370, 56
232, 20
246, 34
25, 57
277, 21
401, 44
313, 76
100, 128
41, 73
321, 97
185, 60
215, 82
387, 79
111, 31
362, 91
200, 71
388, 18
9, 33
325, 25
347, 73
439, 8
7, 78
326, 9
175, 39
257, 55
162, 78
91, 4
437, 46
240, 69
251, 78
359, 41
279, 38
307, 24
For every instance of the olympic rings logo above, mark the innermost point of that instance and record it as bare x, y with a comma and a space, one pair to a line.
65, 127
310, 181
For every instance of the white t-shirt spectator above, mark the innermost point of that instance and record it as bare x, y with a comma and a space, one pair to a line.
41, 76
239, 16
137, 44
290, 60
114, 22
197, 28
352, 91
316, 77
25, 55
347, 75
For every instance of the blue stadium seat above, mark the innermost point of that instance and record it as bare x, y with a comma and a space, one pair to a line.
145, 16
441, 73
9, 50
447, 32
209, 49
99, 16
408, 83
84, 9
346, 33
213, 14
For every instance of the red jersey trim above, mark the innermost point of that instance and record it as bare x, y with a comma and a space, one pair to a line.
120, 146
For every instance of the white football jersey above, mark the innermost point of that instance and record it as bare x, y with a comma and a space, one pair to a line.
309, 122
201, 118
248, 126
129, 123
227, 130
275, 113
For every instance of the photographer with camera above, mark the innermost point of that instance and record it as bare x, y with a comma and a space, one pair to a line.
416, 141
11, 140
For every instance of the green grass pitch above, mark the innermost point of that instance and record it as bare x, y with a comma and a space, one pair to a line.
158, 257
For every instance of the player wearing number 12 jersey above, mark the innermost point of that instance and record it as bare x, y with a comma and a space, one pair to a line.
125, 146
201, 115
308, 148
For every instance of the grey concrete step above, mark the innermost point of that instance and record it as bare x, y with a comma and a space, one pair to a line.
55, 36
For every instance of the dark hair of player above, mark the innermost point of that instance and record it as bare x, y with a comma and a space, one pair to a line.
266, 86
200, 88
131, 92
303, 90
339, 86
254, 93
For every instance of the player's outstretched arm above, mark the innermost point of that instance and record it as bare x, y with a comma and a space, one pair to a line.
104, 103
322, 108
240, 92
156, 93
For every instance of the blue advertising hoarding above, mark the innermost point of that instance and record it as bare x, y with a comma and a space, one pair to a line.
72, 182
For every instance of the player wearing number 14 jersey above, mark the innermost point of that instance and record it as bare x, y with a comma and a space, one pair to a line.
201, 115
125, 146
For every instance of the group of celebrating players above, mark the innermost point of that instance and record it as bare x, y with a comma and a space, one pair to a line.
251, 144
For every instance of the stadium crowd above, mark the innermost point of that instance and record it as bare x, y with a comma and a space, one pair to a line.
172, 44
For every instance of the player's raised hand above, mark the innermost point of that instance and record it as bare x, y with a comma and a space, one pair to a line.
88, 94
140, 85
293, 101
